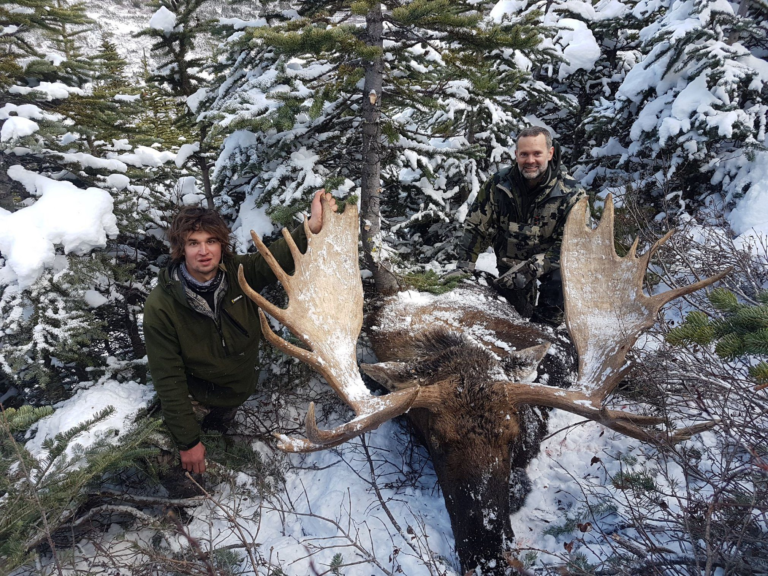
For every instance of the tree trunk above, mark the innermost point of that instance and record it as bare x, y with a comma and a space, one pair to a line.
205, 172
205, 167
743, 8
370, 202
741, 13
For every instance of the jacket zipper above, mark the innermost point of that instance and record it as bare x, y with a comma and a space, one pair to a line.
237, 324
221, 335
170, 286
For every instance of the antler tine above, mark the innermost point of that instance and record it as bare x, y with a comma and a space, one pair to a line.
273, 264
301, 445
295, 252
665, 297
658, 244
645, 259
633, 249
281, 314
304, 355
390, 406
576, 402
261, 302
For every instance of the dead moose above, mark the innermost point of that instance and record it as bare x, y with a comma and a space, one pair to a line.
462, 368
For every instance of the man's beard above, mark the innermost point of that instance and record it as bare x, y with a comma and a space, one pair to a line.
537, 174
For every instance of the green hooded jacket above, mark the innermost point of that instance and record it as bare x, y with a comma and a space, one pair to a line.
522, 224
189, 354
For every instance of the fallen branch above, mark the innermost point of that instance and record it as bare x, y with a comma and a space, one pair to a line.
110, 508
148, 500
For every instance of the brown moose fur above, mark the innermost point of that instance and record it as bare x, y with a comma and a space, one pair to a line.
476, 438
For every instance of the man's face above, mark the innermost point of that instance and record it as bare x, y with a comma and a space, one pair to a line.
533, 156
202, 254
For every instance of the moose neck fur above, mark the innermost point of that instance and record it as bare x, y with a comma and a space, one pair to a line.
475, 481
476, 439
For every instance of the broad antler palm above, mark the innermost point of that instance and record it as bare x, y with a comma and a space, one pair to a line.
325, 312
606, 311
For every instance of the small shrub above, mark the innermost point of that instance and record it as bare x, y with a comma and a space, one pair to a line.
741, 330
634, 480
429, 281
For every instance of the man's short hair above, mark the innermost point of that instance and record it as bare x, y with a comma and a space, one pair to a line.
533, 131
192, 219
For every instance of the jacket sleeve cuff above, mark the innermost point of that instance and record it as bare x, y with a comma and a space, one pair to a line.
299, 236
187, 446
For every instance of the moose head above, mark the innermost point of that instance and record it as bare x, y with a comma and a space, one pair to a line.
462, 368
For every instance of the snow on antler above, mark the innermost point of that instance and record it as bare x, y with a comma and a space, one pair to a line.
605, 307
606, 311
325, 311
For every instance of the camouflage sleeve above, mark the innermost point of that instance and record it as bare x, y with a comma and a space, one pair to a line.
551, 258
480, 225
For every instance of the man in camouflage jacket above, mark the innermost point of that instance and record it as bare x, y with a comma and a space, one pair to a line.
521, 212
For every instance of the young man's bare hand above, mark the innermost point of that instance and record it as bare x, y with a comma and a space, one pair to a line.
193, 460
316, 216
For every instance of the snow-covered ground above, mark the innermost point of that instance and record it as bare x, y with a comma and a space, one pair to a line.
375, 503
328, 502
126, 398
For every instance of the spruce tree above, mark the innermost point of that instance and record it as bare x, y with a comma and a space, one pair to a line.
45, 493
110, 68
61, 24
742, 330
73, 113
159, 117
68, 23
176, 27
82, 115
377, 109
686, 120
17, 20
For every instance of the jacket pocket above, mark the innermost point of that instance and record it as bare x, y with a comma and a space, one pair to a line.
239, 322
235, 323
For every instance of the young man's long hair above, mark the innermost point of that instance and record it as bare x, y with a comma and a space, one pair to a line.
192, 219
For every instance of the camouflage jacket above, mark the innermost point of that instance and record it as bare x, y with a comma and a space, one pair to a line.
522, 224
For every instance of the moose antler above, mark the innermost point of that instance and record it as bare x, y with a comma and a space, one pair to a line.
325, 312
606, 311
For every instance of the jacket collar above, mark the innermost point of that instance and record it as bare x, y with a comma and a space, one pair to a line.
169, 281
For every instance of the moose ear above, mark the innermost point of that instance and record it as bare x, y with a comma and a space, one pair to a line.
521, 364
392, 375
